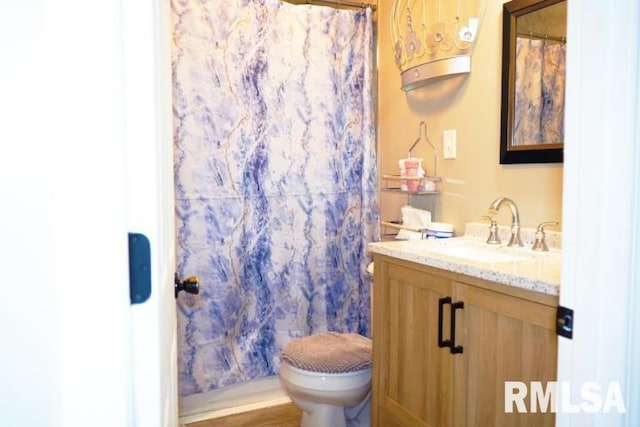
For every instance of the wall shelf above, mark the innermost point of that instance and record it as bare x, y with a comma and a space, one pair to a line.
396, 186
427, 188
392, 185
397, 226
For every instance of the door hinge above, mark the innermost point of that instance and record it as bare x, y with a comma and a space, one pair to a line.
139, 268
564, 322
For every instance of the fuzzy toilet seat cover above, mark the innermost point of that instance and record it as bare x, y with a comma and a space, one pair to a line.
329, 353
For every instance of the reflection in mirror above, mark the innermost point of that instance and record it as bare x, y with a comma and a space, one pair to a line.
533, 76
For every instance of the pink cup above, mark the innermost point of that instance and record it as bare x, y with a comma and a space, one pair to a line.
411, 169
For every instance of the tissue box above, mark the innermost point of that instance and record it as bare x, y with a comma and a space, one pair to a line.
413, 222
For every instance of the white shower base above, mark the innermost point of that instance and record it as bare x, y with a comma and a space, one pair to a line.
235, 399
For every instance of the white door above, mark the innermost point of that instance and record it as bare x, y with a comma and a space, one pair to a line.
85, 157
150, 202
600, 214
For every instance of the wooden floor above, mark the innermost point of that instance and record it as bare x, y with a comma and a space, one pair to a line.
277, 416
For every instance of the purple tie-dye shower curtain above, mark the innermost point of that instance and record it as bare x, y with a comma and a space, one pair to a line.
275, 175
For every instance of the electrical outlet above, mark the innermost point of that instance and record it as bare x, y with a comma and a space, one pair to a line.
449, 144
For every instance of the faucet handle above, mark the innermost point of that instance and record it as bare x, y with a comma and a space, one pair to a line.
540, 244
493, 238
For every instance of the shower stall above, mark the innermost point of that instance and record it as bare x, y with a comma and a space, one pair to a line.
276, 186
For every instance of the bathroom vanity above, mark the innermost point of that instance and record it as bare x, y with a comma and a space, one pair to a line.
454, 320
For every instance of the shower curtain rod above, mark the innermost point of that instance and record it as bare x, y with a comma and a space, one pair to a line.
336, 3
535, 35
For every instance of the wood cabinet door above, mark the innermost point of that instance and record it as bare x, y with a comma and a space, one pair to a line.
412, 375
504, 338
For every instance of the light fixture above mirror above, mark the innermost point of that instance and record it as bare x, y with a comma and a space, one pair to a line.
433, 39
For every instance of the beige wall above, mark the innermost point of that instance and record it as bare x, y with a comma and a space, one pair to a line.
471, 105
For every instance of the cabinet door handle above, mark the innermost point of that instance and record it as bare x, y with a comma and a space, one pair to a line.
441, 303
453, 348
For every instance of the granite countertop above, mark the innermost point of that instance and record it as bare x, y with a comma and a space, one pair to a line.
470, 255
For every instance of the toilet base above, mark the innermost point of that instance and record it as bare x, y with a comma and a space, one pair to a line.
338, 416
324, 415
360, 414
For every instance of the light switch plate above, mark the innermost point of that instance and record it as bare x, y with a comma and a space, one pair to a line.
449, 144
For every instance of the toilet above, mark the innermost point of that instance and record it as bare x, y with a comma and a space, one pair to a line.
328, 376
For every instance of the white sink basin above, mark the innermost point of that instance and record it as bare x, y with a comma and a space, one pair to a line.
484, 255
473, 252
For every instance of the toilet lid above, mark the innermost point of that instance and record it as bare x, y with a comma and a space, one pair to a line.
329, 352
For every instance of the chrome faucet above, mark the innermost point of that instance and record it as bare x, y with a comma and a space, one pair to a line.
493, 238
540, 244
515, 221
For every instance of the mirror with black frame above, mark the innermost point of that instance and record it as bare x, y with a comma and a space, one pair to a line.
533, 81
